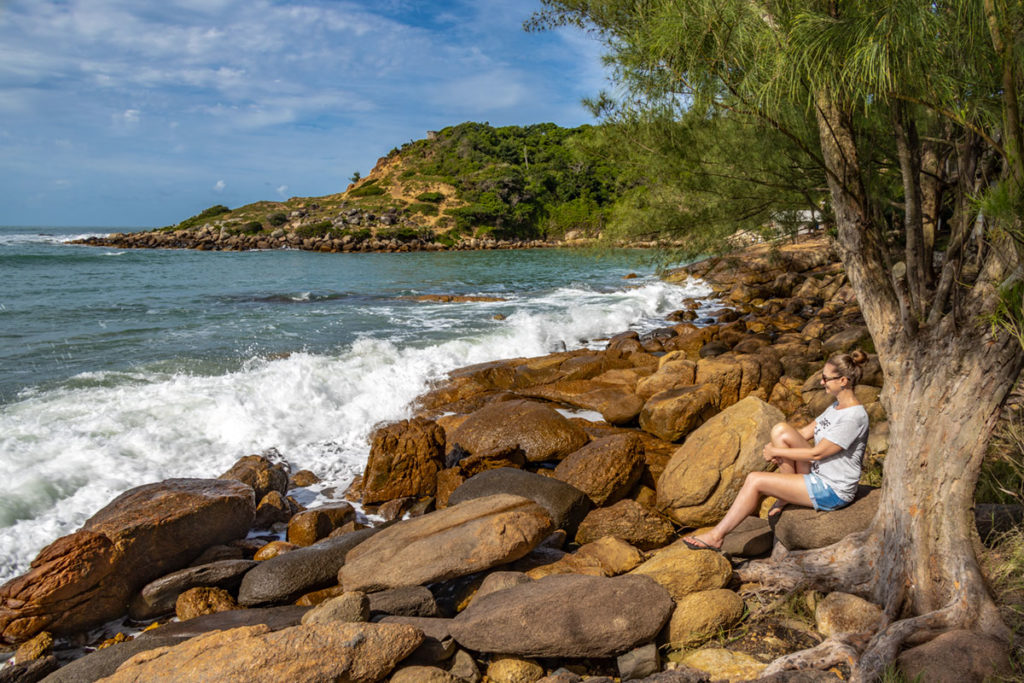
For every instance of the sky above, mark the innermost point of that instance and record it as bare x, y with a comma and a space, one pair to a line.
137, 113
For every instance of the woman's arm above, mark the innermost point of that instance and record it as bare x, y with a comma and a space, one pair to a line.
819, 451
807, 431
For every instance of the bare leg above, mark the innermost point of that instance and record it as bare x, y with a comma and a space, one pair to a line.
785, 435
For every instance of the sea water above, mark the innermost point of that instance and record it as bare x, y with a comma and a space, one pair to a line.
124, 367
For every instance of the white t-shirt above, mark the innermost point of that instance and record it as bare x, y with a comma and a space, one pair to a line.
848, 429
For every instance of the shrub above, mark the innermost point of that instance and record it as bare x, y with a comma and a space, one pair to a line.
367, 190
316, 229
252, 227
425, 209
430, 197
277, 219
203, 216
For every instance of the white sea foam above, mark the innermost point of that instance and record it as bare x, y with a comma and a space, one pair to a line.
69, 451
28, 237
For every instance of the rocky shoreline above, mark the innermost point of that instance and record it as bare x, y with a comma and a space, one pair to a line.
518, 541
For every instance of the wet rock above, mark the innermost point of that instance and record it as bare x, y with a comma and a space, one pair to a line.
605, 469
273, 509
405, 458
630, 521
844, 613
309, 526
465, 538
159, 597
672, 414
285, 577
260, 472
565, 616
682, 571
304, 478
87, 578
539, 431
566, 504
699, 616
273, 549
359, 652
705, 474
799, 528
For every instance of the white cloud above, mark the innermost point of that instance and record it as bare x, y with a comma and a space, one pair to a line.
219, 186
131, 116
281, 190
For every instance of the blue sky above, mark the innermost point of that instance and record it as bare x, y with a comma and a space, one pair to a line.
140, 113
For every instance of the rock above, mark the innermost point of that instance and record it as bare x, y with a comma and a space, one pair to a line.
682, 571
464, 666
309, 526
514, 670
798, 528
752, 537
956, 657
359, 652
285, 577
36, 648
845, 613
724, 664
630, 521
539, 431
707, 471
29, 672
608, 556
405, 458
615, 401
673, 374
672, 414
498, 581
639, 662
304, 478
699, 616
261, 473
465, 538
845, 341
273, 509
605, 469
565, 616
195, 602
566, 504
738, 376
274, 618
680, 674
273, 549
409, 601
87, 578
346, 608
314, 598
395, 508
159, 597
423, 674
438, 644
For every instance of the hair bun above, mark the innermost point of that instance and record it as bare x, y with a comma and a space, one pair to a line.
858, 357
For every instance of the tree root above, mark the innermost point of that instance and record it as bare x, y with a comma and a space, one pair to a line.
885, 644
842, 648
841, 565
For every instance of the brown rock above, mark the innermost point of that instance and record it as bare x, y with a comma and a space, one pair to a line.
683, 571
158, 597
844, 613
738, 376
465, 538
349, 607
699, 616
605, 469
304, 478
35, 648
615, 401
539, 431
261, 473
273, 549
565, 616
405, 458
672, 414
359, 652
314, 598
423, 674
673, 374
514, 670
957, 657
608, 556
707, 471
798, 528
497, 581
629, 521
273, 509
309, 526
85, 579
725, 665
195, 602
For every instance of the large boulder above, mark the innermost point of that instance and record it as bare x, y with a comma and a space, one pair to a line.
87, 578
605, 469
405, 458
285, 577
309, 526
705, 474
682, 571
566, 504
957, 656
673, 374
628, 520
616, 402
565, 616
158, 597
738, 376
358, 652
264, 474
674, 413
698, 616
799, 528
462, 539
539, 431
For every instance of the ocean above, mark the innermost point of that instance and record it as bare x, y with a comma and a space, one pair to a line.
120, 368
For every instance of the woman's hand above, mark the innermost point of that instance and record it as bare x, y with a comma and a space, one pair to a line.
769, 454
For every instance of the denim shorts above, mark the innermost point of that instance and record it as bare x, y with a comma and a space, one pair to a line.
821, 494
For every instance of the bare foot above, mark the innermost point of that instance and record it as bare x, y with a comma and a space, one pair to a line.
698, 543
776, 509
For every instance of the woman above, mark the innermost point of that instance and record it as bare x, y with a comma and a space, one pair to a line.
823, 476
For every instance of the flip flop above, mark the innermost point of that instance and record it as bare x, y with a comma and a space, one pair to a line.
701, 545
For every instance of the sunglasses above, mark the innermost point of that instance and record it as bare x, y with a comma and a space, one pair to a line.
829, 379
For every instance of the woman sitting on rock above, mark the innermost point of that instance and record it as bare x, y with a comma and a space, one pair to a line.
823, 476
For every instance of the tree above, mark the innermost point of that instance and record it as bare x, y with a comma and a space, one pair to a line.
910, 113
